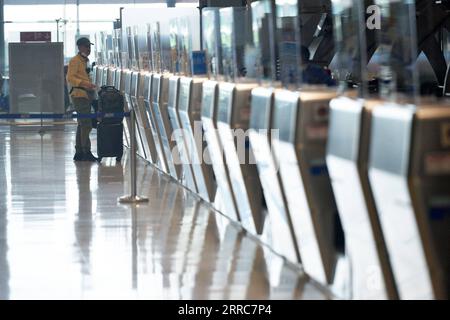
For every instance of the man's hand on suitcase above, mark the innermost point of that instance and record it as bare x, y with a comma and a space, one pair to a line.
88, 85
92, 86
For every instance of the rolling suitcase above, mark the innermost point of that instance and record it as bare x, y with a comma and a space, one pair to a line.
110, 130
110, 140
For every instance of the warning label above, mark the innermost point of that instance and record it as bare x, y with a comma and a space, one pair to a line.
437, 163
317, 132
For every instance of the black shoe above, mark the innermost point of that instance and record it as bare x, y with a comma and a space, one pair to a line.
89, 157
78, 156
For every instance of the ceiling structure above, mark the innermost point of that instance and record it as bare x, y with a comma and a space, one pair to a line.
40, 2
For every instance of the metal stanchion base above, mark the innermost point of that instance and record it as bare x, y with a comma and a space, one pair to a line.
131, 199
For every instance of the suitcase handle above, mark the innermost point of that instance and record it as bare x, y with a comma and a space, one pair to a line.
108, 88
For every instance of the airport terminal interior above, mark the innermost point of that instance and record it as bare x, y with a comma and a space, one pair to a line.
225, 149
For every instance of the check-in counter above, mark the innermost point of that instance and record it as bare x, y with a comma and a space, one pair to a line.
233, 118
137, 99
98, 75
209, 122
278, 226
94, 74
160, 160
187, 176
347, 160
105, 76
409, 172
301, 119
111, 80
120, 85
160, 93
189, 112
128, 78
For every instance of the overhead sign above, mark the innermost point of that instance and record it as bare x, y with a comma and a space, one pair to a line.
40, 36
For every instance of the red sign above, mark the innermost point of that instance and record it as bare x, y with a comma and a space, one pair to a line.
41, 36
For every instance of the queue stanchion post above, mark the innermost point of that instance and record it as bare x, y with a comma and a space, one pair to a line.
41, 130
133, 198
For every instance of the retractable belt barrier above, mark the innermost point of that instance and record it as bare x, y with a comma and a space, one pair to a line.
12, 116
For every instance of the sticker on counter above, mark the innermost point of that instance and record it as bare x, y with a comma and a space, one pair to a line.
245, 114
445, 135
439, 207
321, 113
438, 213
317, 132
437, 163
318, 167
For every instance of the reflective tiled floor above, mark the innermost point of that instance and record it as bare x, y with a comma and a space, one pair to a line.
64, 236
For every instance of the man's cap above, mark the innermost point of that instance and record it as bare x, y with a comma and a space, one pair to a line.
84, 42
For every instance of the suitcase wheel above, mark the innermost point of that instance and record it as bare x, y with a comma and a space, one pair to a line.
118, 159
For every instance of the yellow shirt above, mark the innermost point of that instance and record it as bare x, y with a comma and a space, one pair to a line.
77, 74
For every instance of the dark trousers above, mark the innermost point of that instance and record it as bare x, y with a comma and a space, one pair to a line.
84, 128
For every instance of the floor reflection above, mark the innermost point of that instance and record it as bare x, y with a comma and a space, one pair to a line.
69, 238
4, 266
83, 224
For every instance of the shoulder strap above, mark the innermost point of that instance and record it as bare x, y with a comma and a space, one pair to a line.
81, 88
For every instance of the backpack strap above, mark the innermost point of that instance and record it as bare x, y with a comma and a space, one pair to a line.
109, 88
81, 88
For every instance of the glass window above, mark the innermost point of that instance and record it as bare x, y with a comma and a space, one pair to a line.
61, 21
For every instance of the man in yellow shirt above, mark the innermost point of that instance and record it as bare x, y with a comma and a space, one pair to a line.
81, 93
